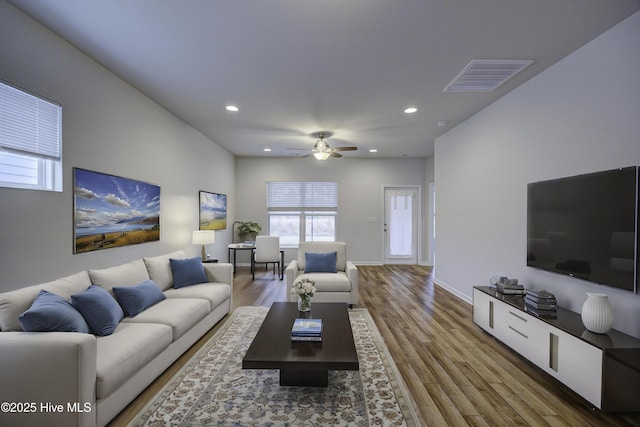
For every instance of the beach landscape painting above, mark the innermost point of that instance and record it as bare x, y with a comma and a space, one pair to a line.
213, 211
111, 211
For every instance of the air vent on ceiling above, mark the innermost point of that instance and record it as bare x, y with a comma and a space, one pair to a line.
485, 75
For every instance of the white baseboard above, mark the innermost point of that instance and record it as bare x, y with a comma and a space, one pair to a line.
453, 291
380, 263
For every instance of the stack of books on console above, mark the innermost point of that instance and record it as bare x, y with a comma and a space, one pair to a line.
510, 287
307, 330
540, 303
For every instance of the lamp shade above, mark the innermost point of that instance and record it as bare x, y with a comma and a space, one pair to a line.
203, 237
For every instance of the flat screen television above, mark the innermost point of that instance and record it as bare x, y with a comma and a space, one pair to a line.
586, 226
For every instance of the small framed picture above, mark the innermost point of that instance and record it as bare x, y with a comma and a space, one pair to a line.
213, 211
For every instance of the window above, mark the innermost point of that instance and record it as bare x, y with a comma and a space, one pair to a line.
30, 141
302, 211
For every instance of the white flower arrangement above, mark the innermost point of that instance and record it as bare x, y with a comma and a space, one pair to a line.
304, 288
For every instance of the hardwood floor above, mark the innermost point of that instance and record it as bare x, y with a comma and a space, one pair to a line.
457, 374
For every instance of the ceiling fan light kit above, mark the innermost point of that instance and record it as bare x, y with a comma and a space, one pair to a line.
321, 149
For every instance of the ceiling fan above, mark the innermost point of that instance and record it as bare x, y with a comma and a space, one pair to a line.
321, 149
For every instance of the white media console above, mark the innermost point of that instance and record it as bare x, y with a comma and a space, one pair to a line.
602, 368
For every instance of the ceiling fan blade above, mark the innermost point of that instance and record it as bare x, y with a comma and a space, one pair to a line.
345, 148
334, 154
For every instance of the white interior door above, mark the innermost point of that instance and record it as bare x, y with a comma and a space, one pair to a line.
401, 225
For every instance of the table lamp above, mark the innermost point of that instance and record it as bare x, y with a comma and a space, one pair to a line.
203, 237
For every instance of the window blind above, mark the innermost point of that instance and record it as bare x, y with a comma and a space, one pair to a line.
29, 124
302, 195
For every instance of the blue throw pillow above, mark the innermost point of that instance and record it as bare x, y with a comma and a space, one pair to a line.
135, 299
321, 263
188, 271
101, 311
52, 313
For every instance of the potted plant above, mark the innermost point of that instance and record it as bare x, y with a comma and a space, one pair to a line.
248, 230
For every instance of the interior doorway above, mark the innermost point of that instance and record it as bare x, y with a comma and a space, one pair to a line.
401, 213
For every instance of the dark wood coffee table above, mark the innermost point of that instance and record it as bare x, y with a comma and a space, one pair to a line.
305, 363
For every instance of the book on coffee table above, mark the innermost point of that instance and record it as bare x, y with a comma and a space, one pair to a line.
306, 330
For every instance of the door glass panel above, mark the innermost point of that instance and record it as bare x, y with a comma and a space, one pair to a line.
400, 223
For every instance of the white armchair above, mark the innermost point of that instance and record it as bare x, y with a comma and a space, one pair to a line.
338, 286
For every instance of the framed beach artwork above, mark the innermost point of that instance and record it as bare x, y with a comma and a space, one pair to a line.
213, 211
111, 211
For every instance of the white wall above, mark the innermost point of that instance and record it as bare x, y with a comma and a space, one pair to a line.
360, 184
109, 127
580, 115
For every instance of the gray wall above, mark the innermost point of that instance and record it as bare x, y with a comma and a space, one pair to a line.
110, 127
580, 115
360, 186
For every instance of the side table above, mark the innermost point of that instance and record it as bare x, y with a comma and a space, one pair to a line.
234, 247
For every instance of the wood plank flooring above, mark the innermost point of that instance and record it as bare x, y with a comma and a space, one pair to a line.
457, 374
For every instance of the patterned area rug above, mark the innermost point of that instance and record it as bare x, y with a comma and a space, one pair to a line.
213, 390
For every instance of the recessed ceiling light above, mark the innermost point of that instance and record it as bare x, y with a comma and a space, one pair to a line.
232, 108
410, 110
267, 149
373, 150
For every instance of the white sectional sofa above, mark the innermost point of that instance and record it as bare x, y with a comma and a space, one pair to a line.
80, 379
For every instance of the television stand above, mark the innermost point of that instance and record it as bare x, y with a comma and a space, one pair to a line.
604, 369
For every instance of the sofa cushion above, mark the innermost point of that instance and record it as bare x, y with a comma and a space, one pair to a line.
159, 268
134, 299
128, 274
101, 311
321, 262
52, 313
178, 313
327, 282
215, 293
187, 272
14, 303
126, 351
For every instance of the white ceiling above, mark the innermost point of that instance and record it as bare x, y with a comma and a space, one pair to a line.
295, 67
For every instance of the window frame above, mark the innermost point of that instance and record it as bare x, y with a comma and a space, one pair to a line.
305, 212
33, 162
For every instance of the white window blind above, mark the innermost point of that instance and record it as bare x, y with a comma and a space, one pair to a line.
29, 124
302, 195
30, 141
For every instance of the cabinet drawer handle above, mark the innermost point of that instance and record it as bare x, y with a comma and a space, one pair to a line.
519, 317
491, 314
553, 351
518, 332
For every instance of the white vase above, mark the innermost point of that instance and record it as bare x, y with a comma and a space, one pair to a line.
597, 314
